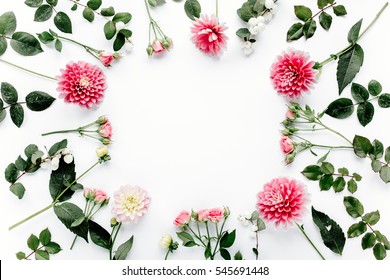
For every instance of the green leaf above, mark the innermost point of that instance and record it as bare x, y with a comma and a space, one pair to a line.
312, 172
76, 187
3, 114
227, 240
7, 23
379, 251
33, 3
246, 11
119, 41
39, 101
58, 146
352, 186
302, 12
326, 182
36, 157
225, 254
78, 222
188, 240
357, 177
325, 20
359, 92
42, 255
99, 235
52, 2
45, 236
341, 108
353, 206
376, 165
372, 218
309, 28
109, 30
327, 168
21, 164
33, 242
368, 240
17, 114
323, 158
126, 32
123, 17
25, 44
192, 9
60, 178
9, 93
67, 213
243, 33
207, 251
382, 239
354, 32
339, 184
94, 4
63, 22
357, 229
58, 45
18, 189
238, 256
260, 224
377, 149
385, 174
11, 173
339, 10
331, 233
152, 3
74, 7
3, 47
53, 248
124, 249
322, 4
384, 100
107, 12
348, 66
387, 155
20, 255
45, 37
361, 146
295, 32
43, 13
365, 113
30, 150
88, 14
374, 87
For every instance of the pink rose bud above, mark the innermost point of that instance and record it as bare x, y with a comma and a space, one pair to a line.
100, 197
290, 115
183, 219
105, 130
106, 58
102, 120
203, 215
287, 145
89, 193
215, 215
105, 141
158, 47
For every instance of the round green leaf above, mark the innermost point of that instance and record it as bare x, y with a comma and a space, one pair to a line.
368, 240
374, 88
42, 255
343, 171
376, 165
359, 93
107, 12
94, 4
327, 168
33, 242
385, 174
88, 14
379, 251
45, 237
309, 28
33, 3
109, 30
295, 32
20, 255
339, 184
39, 101
384, 100
7, 23
352, 186
126, 32
52, 248
17, 114
119, 42
63, 22
21, 164
372, 218
11, 173
325, 20
387, 155
45, 37
192, 9
123, 17
52, 2
9, 93
25, 44
3, 46
302, 12
377, 149
3, 114
30, 150
365, 113
357, 229
341, 108
339, 10
353, 206
312, 172
361, 146
43, 13
243, 33
326, 182
18, 189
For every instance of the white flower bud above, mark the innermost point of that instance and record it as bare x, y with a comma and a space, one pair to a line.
274, 9
166, 241
248, 215
254, 228
102, 151
248, 51
68, 158
260, 19
269, 4
55, 162
254, 29
252, 21
267, 16
245, 222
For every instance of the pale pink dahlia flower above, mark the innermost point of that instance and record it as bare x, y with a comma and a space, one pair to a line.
292, 74
282, 201
130, 204
208, 35
81, 83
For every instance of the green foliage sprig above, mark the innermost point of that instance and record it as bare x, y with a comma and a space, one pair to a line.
374, 239
257, 225
35, 101
308, 28
42, 247
342, 108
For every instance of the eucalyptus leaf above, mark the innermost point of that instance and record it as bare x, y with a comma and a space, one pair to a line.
25, 44
43, 13
192, 9
246, 11
18, 189
243, 33
7, 23
30, 150
16, 112
58, 146
349, 65
21, 164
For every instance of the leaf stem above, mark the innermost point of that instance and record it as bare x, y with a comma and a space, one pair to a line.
27, 70
308, 239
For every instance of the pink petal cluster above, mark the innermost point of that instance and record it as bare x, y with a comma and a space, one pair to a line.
98, 196
130, 204
290, 115
282, 201
215, 215
202, 215
105, 130
158, 47
287, 145
106, 58
208, 35
82, 83
182, 219
292, 74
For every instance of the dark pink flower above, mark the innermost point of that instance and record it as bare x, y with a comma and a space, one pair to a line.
82, 83
282, 201
183, 219
208, 35
287, 145
292, 74
106, 58
105, 130
215, 215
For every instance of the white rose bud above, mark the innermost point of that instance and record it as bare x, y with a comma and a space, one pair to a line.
269, 4
248, 215
166, 241
102, 151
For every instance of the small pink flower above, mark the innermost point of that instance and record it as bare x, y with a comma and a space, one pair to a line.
102, 120
290, 115
203, 215
287, 145
106, 58
82, 83
89, 193
215, 215
208, 35
282, 201
105, 130
158, 47
292, 74
183, 219
100, 197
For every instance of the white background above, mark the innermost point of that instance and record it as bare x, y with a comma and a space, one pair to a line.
194, 131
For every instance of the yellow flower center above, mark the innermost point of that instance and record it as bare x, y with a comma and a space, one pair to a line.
84, 82
131, 203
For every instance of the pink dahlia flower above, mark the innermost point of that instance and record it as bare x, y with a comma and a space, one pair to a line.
208, 35
182, 219
287, 145
282, 201
105, 130
215, 215
130, 204
82, 83
292, 74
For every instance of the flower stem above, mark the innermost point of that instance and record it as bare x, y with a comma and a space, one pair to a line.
27, 70
216, 8
148, 10
74, 241
113, 240
308, 239
60, 131
166, 255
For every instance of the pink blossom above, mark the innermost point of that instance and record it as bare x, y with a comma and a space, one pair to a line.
183, 219
203, 215
290, 115
158, 47
105, 130
102, 120
208, 35
106, 58
287, 145
292, 74
82, 83
89, 193
130, 204
282, 201
215, 215
100, 196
